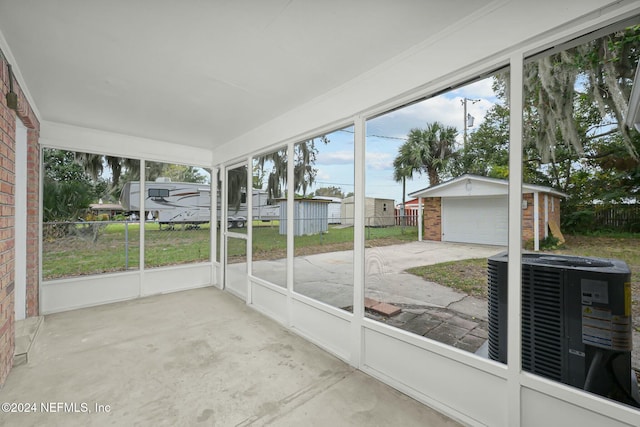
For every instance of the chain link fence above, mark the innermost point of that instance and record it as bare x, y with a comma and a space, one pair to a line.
89, 247
96, 247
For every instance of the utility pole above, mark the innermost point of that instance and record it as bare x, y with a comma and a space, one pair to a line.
468, 118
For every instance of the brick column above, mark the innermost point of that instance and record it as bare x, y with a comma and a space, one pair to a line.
527, 219
432, 218
7, 214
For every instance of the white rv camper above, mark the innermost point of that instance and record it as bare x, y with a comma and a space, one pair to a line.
190, 203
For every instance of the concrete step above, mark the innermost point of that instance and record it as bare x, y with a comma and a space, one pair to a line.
26, 333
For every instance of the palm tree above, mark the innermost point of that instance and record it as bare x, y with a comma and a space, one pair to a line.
403, 169
426, 150
94, 165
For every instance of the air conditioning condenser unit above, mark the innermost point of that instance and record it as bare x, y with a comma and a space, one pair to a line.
576, 321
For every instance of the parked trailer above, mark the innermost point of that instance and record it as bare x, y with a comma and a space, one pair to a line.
189, 203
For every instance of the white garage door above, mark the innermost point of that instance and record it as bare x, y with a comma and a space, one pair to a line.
475, 220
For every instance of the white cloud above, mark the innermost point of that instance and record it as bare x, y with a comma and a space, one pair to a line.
322, 176
335, 160
480, 89
343, 157
446, 108
378, 160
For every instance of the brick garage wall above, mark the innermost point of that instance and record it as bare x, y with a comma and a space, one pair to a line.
7, 214
433, 217
527, 218
432, 227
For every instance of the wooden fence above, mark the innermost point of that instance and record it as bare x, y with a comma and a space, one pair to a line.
410, 216
617, 217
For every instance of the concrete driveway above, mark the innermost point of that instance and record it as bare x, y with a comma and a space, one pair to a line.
328, 277
427, 308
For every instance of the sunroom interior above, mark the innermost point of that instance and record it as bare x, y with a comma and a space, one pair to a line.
248, 95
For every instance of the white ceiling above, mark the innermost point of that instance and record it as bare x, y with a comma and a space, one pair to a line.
201, 73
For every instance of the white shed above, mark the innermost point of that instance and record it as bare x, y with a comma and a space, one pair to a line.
378, 212
333, 209
310, 217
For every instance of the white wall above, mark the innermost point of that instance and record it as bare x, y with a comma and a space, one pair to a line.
21, 221
87, 291
72, 293
74, 138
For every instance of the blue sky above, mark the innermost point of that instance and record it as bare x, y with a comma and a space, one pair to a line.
386, 133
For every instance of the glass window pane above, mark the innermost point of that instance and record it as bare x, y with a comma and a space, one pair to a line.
236, 266
443, 159
177, 212
581, 282
86, 229
236, 279
323, 218
269, 246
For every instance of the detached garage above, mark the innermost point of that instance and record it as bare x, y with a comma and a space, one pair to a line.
474, 209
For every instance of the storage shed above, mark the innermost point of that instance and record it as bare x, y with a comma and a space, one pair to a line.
334, 209
474, 209
378, 212
310, 216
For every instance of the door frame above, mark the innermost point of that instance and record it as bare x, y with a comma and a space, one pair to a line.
225, 233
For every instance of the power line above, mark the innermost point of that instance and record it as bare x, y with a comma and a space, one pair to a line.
332, 183
377, 136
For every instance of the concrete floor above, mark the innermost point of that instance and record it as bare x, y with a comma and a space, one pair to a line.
198, 357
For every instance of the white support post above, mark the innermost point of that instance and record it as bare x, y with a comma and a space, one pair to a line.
224, 212
536, 221
141, 220
290, 239
358, 242
249, 225
213, 228
514, 268
420, 219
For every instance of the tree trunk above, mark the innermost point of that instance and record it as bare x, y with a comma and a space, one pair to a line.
403, 211
434, 179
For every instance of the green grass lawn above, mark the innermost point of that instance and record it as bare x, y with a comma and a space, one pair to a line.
85, 252
470, 276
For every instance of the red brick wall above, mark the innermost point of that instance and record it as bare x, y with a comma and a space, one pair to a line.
432, 229
7, 215
527, 218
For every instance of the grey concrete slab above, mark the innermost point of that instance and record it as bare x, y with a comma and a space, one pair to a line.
344, 404
385, 276
427, 306
26, 331
199, 357
472, 306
